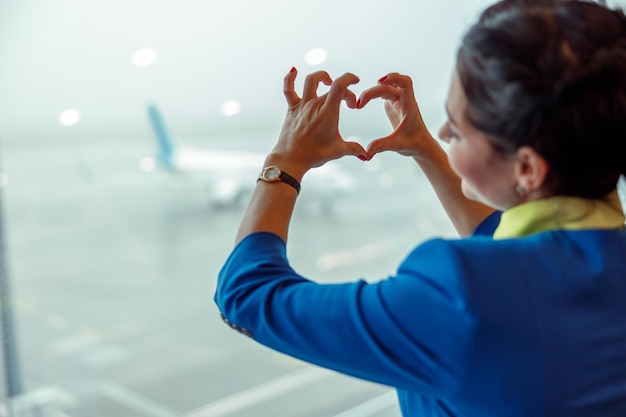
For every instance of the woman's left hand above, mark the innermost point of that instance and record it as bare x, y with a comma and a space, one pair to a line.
410, 136
310, 134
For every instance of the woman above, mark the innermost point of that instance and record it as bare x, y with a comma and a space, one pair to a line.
525, 316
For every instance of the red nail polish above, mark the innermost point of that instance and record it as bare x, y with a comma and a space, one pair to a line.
358, 103
382, 79
293, 69
361, 157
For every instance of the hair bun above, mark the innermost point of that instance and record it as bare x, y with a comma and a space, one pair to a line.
551, 75
605, 69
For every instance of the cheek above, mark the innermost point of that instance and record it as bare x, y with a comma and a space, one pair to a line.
470, 167
457, 160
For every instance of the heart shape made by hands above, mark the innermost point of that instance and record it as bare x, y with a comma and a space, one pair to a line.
367, 125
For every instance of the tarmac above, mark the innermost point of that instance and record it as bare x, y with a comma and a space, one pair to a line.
112, 272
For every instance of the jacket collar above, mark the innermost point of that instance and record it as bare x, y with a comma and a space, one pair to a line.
561, 213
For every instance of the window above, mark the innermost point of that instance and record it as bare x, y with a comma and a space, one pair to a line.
112, 252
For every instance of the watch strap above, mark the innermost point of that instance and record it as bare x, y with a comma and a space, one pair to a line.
283, 176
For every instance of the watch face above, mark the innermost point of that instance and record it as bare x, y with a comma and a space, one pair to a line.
271, 173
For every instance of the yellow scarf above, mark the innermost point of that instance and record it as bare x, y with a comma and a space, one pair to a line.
561, 213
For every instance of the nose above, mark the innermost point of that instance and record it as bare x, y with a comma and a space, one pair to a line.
444, 132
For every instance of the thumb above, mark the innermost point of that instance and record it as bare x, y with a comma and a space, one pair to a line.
354, 148
377, 146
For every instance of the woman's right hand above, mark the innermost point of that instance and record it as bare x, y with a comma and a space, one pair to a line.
410, 134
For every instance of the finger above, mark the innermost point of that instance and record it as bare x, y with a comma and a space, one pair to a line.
386, 92
354, 148
289, 89
339, 90
350, 98
377, 146
404, 82
312, 81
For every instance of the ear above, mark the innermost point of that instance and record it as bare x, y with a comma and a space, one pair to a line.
532, 169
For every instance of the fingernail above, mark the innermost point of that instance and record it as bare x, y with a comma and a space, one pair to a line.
361, 157
382, 79
358, 103
293, 69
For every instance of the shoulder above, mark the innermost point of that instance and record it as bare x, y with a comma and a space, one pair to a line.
480, 267
479, 247
441, 255
445, 271
477, 270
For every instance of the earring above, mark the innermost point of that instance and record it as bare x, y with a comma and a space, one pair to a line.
520, 191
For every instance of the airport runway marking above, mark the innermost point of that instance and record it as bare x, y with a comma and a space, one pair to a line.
353, 256
88, 337
372, 406
261, 393
135, 401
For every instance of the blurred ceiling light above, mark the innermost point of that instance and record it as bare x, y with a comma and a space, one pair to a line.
372, 165
147, 164
386, 180
69, 117
316, 56
231, 108
144, 57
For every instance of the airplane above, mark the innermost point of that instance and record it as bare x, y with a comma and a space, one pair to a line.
229, 177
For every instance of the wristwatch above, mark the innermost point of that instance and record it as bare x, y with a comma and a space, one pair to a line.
275, 174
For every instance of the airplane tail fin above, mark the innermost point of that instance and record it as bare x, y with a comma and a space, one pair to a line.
166, 146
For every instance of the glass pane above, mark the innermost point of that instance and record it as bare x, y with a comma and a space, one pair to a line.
112, 254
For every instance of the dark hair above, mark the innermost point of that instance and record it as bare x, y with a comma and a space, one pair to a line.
551, 74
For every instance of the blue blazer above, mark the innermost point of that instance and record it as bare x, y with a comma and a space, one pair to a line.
476, 327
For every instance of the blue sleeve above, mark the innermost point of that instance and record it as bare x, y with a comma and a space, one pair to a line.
488, 226
410, 331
